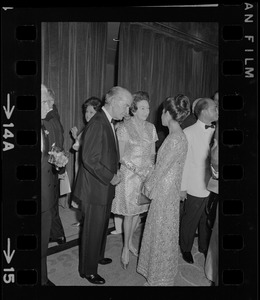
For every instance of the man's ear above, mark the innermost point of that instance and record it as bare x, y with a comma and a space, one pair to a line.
203, 112
112, 101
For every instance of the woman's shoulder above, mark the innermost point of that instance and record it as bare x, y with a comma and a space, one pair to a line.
126, 125
179, 137
149, 125
122, 125
123, 131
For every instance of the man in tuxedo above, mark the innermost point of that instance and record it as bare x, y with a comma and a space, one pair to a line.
55, 129
47, 190
95, 184
195, 178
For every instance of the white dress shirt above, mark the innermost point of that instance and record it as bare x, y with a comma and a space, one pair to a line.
109, 119
196, 172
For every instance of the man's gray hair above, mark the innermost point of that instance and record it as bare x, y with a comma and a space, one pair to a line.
47, 95
115, 92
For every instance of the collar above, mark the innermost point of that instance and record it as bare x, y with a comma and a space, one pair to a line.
50, 110
107, 114
49, 115
202, 125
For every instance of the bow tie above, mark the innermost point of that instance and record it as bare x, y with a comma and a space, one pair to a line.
209, 126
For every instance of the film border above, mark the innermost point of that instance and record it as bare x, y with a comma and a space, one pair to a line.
244, 85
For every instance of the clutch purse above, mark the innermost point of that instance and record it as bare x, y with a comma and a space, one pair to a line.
142, 198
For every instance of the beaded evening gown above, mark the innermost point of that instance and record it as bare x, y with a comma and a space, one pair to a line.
158, 258
138, 155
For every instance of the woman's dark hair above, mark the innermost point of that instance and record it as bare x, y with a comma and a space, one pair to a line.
178, 107
93, 101
137, 97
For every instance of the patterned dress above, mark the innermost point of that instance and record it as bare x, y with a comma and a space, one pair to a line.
137, 162
158, 259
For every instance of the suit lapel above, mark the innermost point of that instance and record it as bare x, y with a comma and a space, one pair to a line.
114, 136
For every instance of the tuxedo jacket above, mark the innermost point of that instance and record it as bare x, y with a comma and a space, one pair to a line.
196, 172
47, 180
53, 125
99, 162
55, 135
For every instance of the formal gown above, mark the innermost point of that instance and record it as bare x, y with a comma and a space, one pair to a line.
158, 259
211, 263
138, 154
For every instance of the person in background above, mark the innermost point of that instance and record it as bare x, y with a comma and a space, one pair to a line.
216, 98
195, 178
158, 259
89, 108
53, 125
98, 175
137, 139
47, 190
211, 264
192, 118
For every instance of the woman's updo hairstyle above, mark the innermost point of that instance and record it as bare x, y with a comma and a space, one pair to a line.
178, 107
137, 97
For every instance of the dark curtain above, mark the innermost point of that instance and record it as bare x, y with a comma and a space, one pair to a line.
73, 66
164, 66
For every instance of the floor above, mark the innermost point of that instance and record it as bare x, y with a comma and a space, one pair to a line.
63, 260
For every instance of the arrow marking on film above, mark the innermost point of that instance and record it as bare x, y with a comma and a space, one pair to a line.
7, 110
8, 255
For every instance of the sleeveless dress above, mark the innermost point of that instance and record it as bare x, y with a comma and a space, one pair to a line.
138, 156
158, 258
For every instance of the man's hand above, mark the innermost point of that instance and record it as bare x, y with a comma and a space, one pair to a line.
116, 179
119, 174
183, 195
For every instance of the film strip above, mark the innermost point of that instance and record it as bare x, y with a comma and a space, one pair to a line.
21, 80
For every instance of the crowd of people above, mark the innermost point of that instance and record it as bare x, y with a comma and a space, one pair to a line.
117, 162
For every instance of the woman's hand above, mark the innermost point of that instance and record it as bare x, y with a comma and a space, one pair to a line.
145, 191
183, 195
76, 145
74, 132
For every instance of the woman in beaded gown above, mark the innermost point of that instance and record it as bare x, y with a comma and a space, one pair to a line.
158, 258
136, 139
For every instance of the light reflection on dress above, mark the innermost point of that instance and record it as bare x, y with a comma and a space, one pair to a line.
158, 259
